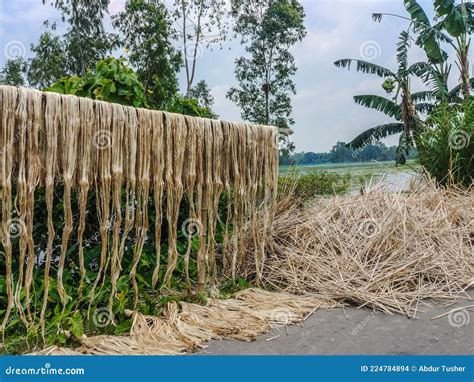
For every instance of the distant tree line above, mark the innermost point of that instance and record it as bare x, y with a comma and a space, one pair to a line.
340, 153
158, 40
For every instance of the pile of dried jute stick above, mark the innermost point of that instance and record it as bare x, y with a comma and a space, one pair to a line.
188, 327
383, 250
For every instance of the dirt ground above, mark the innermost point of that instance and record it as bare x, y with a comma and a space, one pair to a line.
361, 331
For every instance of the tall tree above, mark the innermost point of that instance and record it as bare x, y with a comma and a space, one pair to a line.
268, 28
454, 26
49, 61
199, 23
146, 33
401, 107
85, 38
13, 73
202, 93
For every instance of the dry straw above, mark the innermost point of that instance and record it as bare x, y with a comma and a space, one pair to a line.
189, 327
383, 250
130, 157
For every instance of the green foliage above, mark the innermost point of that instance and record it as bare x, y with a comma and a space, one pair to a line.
85, 39
13, 72
309, 185
49, 62
268, 30
146, 37
446, 148
202, 93
188, 106
401, 107
111, 81
200, 24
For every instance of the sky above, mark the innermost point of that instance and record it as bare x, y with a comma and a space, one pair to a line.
323, 108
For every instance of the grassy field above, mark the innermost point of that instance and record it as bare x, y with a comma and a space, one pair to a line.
394, 176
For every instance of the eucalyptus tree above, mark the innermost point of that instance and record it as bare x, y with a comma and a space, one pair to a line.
401, 106
86, 39
199, 24
146, 36
13, 73
49, 62
268, 29
202, 93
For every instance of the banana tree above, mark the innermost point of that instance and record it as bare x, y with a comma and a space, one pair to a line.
455, 19
401, 107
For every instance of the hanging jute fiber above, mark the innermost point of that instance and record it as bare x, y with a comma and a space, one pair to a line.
135, 162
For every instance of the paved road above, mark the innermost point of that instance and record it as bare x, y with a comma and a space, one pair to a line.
362, 331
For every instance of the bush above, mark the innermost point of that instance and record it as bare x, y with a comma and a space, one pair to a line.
446, 147
306, 186
111, 81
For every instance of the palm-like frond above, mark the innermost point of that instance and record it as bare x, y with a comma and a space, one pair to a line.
365, 67
402, 51
429, 37
432, 77
424, 107
426, 95
458, 18
456, 91
379, 103
419, 69
374, 134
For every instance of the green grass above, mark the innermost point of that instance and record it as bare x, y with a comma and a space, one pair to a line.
361, 172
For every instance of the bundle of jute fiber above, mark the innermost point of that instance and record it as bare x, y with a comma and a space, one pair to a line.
134, 161
383, 250
186, 327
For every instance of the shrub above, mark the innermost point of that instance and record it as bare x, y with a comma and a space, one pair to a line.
306, 186
111, 81
446, 147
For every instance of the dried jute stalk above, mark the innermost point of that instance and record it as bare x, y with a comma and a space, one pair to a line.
134, 161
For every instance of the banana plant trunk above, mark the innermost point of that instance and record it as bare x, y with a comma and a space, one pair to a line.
463, 58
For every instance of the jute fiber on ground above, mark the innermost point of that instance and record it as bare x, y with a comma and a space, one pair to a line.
188, 327
135, 161
383, 250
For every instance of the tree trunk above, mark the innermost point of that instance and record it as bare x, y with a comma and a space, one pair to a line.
464, 68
